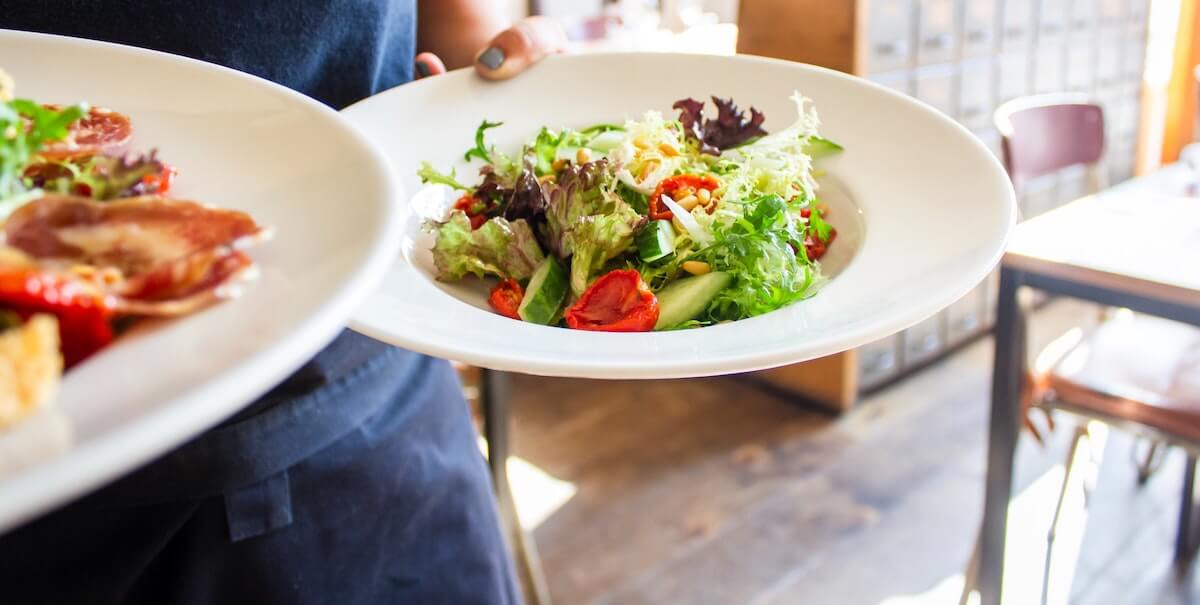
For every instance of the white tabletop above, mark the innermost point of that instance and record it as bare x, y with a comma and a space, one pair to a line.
1141, 236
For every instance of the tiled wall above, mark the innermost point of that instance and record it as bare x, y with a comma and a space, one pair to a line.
966, 57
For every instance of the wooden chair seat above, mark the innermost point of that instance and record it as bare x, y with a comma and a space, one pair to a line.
1137, 369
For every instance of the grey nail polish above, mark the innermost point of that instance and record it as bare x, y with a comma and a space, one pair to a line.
492, 58
422, 69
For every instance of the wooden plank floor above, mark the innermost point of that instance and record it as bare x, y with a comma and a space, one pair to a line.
712, 491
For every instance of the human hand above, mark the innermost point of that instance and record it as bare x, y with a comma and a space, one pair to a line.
509, 53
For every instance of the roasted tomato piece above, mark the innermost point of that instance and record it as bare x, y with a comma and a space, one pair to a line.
83, 312
815, 248
617, 302
678, 187
506, 298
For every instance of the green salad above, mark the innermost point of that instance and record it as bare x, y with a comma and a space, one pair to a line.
654, 224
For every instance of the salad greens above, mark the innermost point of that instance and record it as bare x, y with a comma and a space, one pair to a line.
25, 127
667, 198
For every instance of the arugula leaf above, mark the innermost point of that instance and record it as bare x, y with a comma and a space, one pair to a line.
817, 224
764, 251
428, 174
480, 150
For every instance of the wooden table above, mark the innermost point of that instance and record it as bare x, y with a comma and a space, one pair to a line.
1136, 245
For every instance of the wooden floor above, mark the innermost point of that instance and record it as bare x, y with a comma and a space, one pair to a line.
712, 491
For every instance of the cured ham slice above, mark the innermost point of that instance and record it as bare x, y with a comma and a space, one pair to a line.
86, 261
133, 235
101, 131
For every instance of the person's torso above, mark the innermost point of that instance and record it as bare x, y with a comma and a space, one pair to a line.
337, 51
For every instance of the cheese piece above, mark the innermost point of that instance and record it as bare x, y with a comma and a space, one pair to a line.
30, 368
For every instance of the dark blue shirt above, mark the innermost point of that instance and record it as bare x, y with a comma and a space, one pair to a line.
357, 480
337, 51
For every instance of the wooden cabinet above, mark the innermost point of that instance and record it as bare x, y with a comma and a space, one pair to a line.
963, 57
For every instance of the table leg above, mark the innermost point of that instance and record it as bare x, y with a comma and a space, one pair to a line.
1002, 435
493, 398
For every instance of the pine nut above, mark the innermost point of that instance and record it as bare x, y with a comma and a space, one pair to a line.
704, 195
559, 164
668, 150
583, 156
640, 142
689, 202
696, 267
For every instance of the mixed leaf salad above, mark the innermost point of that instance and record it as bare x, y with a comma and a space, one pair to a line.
656, 224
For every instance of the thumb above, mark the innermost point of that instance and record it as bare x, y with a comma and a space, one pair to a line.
516, 48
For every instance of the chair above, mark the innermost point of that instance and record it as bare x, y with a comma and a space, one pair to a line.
1133, 372
1044, 134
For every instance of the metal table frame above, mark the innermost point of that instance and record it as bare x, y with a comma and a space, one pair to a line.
493, 401
1005, 422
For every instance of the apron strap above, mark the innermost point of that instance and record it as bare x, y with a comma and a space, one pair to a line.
260, 508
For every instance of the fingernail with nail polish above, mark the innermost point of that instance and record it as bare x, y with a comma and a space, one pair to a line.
492, 58
422, 69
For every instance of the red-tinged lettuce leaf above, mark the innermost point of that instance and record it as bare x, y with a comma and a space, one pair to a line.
730, 128
102, 177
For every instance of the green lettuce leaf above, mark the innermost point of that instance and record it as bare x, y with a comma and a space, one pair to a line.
598, 238
499, 247
25, 127
764, 250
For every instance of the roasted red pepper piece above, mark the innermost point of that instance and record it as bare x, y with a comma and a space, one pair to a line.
506, 298
617, 302
671, 185
83, 314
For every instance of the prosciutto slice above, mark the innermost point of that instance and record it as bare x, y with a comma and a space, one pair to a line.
99, 131
160, 256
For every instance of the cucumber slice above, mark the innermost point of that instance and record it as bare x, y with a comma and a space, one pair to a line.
656, 242
606, 141
688, 297
545, 294
819, 147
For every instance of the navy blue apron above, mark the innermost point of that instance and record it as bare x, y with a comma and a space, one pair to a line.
358, 480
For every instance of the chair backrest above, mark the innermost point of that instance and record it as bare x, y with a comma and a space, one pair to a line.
1046, 133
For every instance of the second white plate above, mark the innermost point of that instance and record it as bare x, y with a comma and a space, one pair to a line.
923, 212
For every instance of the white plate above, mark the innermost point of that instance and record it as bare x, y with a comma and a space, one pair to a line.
238, 142
924, 217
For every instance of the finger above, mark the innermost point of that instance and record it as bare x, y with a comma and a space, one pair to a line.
427, 64
516, 48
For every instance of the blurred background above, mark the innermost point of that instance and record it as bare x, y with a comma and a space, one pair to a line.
859, 478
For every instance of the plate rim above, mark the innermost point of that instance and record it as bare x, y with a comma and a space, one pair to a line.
712, 366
